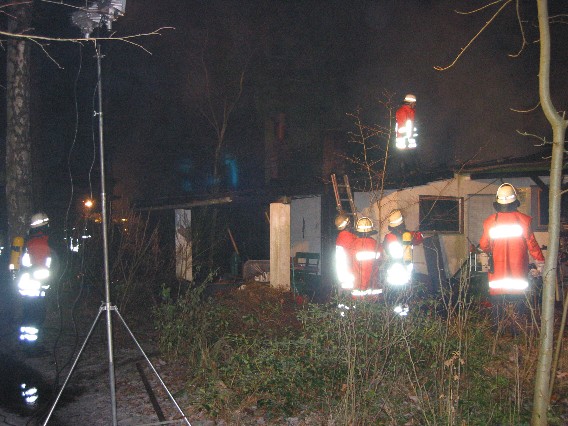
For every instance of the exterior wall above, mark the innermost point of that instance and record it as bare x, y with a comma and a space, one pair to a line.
305, 225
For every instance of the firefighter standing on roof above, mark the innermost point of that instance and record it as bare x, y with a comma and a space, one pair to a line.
508, 238
405, 125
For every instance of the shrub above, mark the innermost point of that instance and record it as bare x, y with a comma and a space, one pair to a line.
362, 365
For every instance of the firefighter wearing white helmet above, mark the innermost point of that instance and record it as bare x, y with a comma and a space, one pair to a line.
405, 124
38, 220
395, 218
364, 225
366, 252
343, 242
506, 194
34, 278
399, 244
508, 239
410, 98
342, 220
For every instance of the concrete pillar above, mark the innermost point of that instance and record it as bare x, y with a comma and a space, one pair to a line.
280, 245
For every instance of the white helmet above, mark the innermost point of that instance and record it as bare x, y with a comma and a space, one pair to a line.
38, 220
364, 225
341, 221
395, 218
410, 98
506, 194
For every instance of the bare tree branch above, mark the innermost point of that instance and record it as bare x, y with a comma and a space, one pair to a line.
505, 4
526, 110
61, 3
559, 19
540, 138
15, 3
51, 58
522, 30
478, 9
125, 39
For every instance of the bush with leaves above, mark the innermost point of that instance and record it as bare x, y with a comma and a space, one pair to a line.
364, 365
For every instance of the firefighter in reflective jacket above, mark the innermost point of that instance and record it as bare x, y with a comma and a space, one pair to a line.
507, 236
405, 130
365, 252
398, 245
34, 278
345, 238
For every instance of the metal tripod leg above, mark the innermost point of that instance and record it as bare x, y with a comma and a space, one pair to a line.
115, 309
101, 309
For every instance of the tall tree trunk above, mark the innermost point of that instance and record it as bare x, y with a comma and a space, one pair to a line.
18, 144
214, 235
558, 124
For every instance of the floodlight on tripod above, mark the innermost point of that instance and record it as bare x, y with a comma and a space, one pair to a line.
98, 14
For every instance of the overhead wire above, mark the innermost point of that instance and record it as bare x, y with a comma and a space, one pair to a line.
81, 273
67, 236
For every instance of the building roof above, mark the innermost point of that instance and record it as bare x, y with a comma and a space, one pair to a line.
527, 166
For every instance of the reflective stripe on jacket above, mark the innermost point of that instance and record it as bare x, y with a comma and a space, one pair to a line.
404, 114
399, 272
365, 254
343, 267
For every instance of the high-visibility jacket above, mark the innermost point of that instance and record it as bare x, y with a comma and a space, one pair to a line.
33, 283
508, 236
34, 279
365, 258
343, 264
37, 248
405, 130
398, 247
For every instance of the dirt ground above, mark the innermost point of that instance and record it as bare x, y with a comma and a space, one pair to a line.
86, 398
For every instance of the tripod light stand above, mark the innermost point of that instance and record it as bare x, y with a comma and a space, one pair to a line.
97, 14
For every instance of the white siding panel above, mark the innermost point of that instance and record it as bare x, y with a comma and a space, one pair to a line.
305, 225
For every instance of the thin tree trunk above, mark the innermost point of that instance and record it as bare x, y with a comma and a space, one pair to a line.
558, 124
18, 144
213, 243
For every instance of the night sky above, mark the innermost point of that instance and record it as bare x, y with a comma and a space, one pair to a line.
314, 61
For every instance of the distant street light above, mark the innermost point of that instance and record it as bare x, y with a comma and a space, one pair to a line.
88, 203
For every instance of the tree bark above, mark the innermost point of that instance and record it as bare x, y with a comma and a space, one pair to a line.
18, 143
558, 124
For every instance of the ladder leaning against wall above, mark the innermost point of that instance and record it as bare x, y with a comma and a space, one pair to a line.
343, 196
